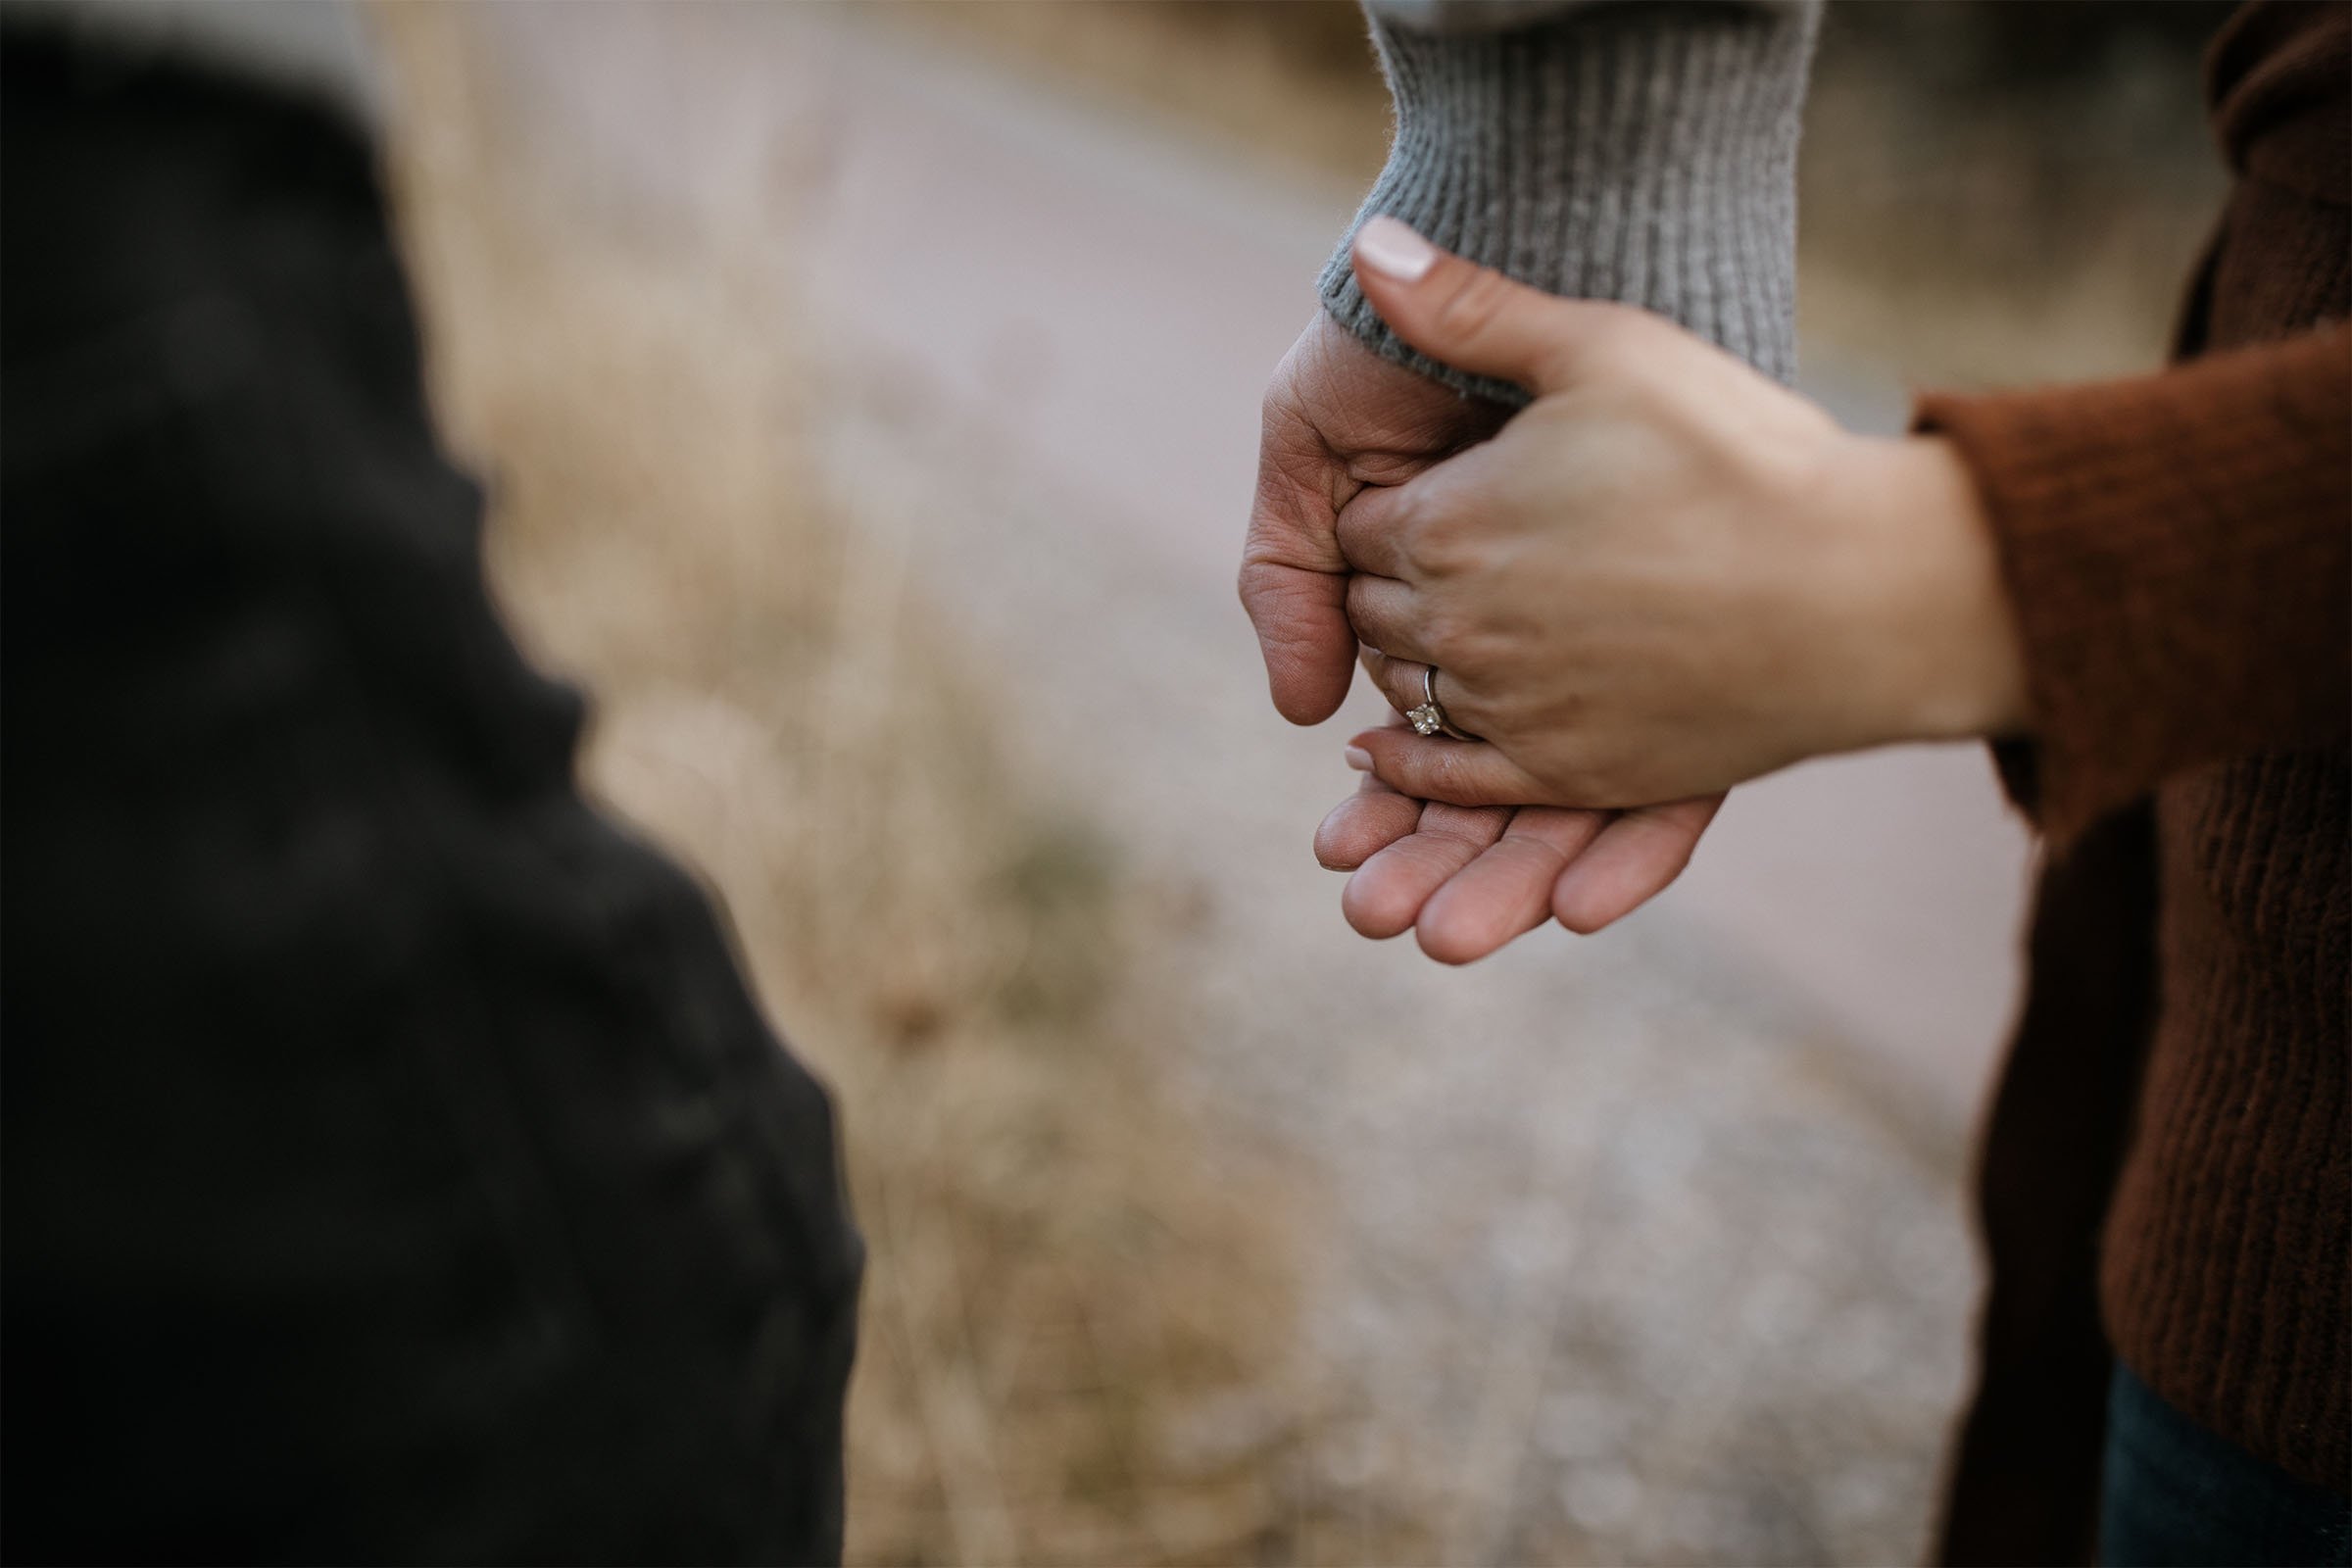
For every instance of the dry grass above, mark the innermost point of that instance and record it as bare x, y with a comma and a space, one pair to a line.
1079, 1303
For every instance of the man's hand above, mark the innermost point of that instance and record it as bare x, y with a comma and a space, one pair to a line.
1467, 880
1339, 419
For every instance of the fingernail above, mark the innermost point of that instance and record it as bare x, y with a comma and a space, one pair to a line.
1390, 246
1358, 759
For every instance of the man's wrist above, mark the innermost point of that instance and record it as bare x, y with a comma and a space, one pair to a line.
1636, 153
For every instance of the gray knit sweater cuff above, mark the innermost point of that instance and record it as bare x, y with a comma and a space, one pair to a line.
1644, 153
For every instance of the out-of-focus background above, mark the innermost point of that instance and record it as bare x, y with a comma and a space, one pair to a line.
869, 398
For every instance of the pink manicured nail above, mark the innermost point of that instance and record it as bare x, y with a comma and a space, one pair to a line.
1358, 759
1390, 246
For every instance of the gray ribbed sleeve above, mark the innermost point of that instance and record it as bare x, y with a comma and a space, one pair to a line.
1637, 152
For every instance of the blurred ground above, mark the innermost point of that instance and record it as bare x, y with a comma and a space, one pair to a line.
870, 424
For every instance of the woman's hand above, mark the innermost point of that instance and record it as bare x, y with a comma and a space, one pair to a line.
1338, 421
1665, 576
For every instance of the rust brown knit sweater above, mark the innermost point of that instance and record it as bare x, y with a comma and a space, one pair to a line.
2179, 550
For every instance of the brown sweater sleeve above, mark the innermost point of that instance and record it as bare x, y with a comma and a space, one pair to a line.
2179, 551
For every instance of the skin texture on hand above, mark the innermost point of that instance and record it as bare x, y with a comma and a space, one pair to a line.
1339, 421
1337, 418
1667, 574
1467, 880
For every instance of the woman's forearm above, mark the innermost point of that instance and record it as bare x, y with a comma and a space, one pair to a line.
2175, 547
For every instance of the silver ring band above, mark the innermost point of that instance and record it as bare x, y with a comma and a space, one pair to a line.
1430, 717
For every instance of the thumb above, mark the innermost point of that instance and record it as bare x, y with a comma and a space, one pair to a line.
1466, 315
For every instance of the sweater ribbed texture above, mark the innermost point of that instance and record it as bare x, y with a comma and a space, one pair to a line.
2179, 551
1643, 153
2228, 1265
2171, 543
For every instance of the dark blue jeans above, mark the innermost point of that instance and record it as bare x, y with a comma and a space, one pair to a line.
2176, 1494
397, 1168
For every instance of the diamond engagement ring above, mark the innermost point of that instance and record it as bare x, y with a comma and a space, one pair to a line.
1430, 717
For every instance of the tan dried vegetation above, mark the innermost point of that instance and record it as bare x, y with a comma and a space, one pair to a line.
1080, 1298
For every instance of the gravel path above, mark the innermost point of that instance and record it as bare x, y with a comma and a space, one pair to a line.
1638, 1249
1626, 1261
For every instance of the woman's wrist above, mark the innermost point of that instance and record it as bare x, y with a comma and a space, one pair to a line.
1953, 666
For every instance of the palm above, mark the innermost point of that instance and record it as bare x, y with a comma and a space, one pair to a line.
1340, 418
1467, 880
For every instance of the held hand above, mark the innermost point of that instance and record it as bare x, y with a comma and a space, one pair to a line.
1667, 574
1467, 880
1338, 418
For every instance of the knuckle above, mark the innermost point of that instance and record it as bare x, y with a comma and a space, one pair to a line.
1447, 639
1435, 554
1408, 511
1475, 646
1434, 538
